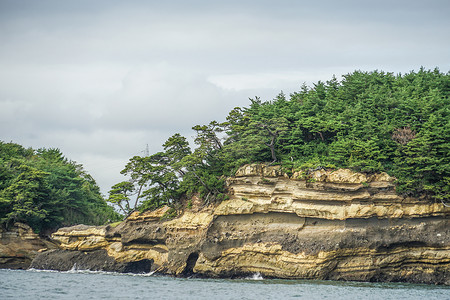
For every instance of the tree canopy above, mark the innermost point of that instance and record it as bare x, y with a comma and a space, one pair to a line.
45, 190
367, 121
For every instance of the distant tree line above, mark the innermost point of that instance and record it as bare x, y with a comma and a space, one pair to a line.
45, 190
368, 122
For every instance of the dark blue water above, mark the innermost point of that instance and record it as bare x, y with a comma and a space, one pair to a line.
80, 285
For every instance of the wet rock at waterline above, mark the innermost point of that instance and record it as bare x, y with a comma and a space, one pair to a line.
97, 260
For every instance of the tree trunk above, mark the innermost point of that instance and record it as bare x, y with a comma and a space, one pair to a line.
137, 197
272, 148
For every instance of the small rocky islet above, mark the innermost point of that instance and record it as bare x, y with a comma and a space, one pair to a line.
323, 208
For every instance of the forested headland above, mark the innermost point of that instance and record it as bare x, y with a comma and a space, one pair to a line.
45, 190
366, 121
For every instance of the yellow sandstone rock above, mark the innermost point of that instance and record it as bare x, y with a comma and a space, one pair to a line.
337, 224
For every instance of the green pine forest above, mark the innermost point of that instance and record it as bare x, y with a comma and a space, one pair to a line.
46, 191
366, 121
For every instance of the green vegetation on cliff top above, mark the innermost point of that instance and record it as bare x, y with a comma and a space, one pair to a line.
47, 191
368, 122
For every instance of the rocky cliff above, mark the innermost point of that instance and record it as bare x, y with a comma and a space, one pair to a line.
19, 245
323, 225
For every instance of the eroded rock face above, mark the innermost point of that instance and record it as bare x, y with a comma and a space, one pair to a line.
96, 260
335, 195
19, 245
334, 225
357, 249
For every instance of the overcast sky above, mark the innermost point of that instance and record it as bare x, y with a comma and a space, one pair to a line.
102, 79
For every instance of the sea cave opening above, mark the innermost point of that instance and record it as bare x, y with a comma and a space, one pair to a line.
190, 264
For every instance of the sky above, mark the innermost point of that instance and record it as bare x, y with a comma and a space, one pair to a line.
101, 80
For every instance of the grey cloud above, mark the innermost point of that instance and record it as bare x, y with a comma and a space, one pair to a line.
101, 79
164, 97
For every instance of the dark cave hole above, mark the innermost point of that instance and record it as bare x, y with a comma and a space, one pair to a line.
190, 264
139, 267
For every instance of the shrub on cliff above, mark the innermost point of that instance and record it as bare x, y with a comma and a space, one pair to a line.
45, 190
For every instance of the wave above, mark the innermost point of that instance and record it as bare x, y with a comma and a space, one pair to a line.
76, 270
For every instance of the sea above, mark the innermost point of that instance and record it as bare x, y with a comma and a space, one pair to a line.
81, 285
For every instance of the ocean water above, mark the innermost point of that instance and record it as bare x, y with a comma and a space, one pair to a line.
80, 285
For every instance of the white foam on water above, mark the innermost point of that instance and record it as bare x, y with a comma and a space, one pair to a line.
256, 276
